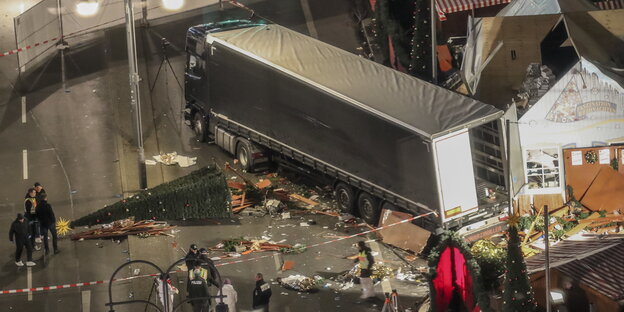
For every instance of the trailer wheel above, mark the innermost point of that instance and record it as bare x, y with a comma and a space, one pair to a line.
199, 126
345, 197
368, 206
243, 153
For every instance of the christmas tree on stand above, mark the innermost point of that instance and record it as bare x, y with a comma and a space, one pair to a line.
420, 55
518, 294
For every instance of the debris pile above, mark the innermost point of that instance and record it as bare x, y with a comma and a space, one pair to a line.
269, 196
539, 79
301, 283
245, 246
125, 227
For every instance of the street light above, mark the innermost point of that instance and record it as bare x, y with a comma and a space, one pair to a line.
87, 8
172, 4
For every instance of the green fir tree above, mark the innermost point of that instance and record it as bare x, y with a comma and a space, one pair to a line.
518, 294
201, 194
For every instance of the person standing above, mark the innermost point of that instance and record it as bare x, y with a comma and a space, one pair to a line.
207, 264
261, 295
30, 206
19, 233
198, 288
39, 191
366, 261
191, 257
171, 291
47, 220
231, 296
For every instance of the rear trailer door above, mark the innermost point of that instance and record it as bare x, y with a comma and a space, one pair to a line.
455, 175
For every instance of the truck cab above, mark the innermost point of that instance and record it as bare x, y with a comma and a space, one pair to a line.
196, 73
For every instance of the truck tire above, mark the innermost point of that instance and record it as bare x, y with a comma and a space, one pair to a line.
199, 126
368, 206
243, 154
345, 197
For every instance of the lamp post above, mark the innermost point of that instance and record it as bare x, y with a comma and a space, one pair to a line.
135, 96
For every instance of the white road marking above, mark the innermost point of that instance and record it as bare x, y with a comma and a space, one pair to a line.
25, 163
23, 109
29, 282
86, 301
307, 13
385, 284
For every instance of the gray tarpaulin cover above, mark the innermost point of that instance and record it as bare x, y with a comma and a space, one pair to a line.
540, 7
414, 104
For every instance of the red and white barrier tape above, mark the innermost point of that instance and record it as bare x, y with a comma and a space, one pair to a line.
35, 289
53, 40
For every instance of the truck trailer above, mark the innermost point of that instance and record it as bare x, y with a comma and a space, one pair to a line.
385, 139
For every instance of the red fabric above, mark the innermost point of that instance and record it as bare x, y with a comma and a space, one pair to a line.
394, 62
443, 283
372, 3
451, 260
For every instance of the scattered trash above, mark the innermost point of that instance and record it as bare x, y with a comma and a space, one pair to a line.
298, 283
285, 215
150, 162
173, 158
304, 224
136, 272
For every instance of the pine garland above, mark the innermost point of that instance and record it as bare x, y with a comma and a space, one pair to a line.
200, 194
453, 240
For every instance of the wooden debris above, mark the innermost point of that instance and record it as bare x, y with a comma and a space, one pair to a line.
235, 185
124, 228
263, 184
303, 199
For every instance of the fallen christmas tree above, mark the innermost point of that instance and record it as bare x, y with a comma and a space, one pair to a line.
201, 194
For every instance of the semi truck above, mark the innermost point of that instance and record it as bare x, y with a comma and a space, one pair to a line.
382, 138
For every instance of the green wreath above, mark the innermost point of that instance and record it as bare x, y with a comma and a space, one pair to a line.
591, 157
454, 240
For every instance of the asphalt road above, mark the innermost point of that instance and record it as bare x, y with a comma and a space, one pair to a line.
79, 143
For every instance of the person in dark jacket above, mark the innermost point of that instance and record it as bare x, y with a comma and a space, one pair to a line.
191, 257
261, 295
47, 220
39, 191
19, 233
30, 206
198, 287
366, 261
206, 263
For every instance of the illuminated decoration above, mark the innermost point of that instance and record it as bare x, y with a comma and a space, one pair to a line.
518, 293
172, 4
62, 227
87, 8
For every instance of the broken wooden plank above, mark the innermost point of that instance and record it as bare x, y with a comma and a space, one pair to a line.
235, 185
582, 224
303, 199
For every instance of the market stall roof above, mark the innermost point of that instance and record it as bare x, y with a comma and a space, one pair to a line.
595, 262
527, 7
444, 7
414, 104
610, 5
597, 36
